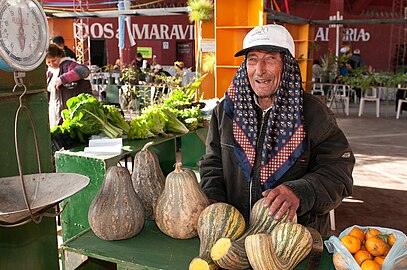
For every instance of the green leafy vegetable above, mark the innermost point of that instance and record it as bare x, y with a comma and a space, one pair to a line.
116, 118
173, 124
191, 123
139, 129
87, 116
156, 118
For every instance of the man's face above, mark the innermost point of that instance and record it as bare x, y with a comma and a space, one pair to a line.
264, 70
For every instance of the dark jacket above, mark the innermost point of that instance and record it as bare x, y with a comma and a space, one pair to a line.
69, 53
321, 177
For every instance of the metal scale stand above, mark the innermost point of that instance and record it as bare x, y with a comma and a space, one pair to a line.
30, 197
26, 192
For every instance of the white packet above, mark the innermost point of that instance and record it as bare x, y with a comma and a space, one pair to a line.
395, 259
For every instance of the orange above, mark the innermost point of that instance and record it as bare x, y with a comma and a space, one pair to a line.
371, 232
360, 234
387, 249
351, 243
362, 246
361, 256
376, 246
391, 240
340, 262
379, 260
370, 265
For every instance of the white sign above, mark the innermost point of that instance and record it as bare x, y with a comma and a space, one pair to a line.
348, 34
166, 45
143, 31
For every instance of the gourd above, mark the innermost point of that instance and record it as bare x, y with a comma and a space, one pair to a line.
148, 179
216, 221
286, 246
231, 254
116, 212
180, 204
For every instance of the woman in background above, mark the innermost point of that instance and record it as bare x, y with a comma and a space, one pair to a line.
66, 79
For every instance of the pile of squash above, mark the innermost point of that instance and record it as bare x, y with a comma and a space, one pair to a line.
125, 201
181, 210
267, 243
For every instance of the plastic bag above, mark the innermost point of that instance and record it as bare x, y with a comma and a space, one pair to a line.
395, 259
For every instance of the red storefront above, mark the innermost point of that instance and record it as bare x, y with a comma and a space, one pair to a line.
169, 37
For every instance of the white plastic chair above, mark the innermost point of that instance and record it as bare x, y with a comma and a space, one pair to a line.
317, 89
340, 94
400, 104
372, 94
343, 94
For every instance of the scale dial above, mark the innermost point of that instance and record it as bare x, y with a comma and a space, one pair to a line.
24, 35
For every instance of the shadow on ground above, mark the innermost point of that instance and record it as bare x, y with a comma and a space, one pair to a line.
373, 207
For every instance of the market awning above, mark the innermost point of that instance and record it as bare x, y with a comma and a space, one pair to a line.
117, 13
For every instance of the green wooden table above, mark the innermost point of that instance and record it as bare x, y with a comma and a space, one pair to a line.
150, 249
74, 219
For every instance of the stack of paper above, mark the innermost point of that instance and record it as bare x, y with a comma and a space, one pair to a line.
104, 146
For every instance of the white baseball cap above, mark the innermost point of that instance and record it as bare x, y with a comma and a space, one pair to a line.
270, 37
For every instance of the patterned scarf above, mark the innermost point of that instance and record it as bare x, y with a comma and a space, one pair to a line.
285, 135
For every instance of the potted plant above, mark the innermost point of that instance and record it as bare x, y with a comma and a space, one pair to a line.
109, 68
329, 67
200, 11
128, 91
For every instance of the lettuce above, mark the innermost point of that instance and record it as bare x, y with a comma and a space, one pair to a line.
156, 118
173, 124
139, 129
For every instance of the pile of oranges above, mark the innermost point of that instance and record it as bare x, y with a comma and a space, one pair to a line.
369, 248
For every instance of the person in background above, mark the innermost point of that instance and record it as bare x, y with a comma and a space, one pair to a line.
356, 62
316, 71
158, 75
65, 79
159, 70
60, 42
269, 138
179, 66
116, 67
140, 65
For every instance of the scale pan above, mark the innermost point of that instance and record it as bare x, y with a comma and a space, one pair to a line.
43, 190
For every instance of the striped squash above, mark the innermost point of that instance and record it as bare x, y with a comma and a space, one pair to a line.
216, 221
148, 179
283, 249
231, 254
180, 204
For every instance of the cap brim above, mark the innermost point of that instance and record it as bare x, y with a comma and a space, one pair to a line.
268, 48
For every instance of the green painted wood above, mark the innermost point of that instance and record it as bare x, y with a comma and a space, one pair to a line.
35, 79
74, 218
151, 250
31, 246
195, 141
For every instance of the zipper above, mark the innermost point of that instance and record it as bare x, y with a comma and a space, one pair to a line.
256, 167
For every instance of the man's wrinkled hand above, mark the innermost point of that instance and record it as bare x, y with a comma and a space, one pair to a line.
281, 199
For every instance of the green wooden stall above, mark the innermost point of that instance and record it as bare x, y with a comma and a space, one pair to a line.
30, 246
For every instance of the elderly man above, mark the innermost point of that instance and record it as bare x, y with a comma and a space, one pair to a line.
268, 138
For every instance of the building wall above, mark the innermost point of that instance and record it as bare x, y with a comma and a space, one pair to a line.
373, 40
161, 34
